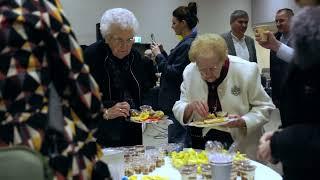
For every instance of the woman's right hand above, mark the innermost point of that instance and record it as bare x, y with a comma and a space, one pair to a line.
121, 109
199, 107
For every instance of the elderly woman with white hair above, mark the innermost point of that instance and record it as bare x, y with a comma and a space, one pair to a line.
120, 72
216, 82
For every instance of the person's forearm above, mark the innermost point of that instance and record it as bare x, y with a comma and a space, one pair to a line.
285, 53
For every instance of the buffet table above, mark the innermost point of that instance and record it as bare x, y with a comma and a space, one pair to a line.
262, 172
115, 160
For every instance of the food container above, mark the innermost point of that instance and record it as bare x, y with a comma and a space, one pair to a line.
221, 164
129, 170
140, 149
206, 172
146, 108
188, 172
236, 165
247, 172
221, 171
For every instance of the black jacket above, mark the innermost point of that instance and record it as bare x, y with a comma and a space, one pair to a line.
172, 67
278, 72
142, 71
297, 146
141, 78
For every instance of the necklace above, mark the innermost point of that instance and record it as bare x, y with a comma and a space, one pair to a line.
214, 108
213, 100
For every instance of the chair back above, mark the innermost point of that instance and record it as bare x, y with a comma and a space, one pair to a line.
20, 162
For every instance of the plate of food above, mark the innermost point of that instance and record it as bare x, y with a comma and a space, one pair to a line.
217, 119
147, 115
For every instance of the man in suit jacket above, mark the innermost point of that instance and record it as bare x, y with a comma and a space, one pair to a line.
279, 66
238, 43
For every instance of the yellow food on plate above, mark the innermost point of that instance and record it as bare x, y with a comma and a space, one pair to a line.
198, 122
222, 114
239, 157
149, 177
211, 116
158, 114
188, 157
134, 177
214, 121
147, 114
135, 118
144, 115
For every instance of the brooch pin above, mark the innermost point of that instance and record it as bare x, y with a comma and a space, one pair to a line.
235, 91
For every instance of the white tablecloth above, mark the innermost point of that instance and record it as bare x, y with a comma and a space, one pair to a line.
262, 172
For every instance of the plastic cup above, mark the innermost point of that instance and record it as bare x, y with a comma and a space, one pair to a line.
145, 108
262, 31
221, 171
247, 172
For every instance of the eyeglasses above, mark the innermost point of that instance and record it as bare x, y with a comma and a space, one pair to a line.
119, 41
210, 70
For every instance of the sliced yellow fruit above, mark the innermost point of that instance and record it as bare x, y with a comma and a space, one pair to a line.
144, 116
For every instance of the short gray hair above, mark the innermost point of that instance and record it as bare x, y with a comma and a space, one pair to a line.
121, 17
306, 36
238, 14
288, 11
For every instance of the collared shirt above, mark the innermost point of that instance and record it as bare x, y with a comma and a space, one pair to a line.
285, 38
240, 47
285, 53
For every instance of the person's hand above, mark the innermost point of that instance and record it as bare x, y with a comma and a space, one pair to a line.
266, 137
237, 123
121, 109
199, 107
155, 48
264, 149
161, 47
271, 43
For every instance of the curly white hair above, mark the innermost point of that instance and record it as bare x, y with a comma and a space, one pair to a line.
121, 17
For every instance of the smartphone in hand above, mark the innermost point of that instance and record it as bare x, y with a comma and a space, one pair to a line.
153, 40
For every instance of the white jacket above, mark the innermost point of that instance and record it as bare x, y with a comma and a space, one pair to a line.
239, 93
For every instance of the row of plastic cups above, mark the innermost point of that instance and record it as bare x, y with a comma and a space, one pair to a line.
143, 166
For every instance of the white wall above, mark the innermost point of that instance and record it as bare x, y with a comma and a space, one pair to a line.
154, 16
263, 11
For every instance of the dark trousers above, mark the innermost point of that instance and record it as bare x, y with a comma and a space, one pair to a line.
119, 132
198, 141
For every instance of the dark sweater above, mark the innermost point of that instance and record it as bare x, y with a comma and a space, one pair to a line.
297, 146
136, 79
172, 67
